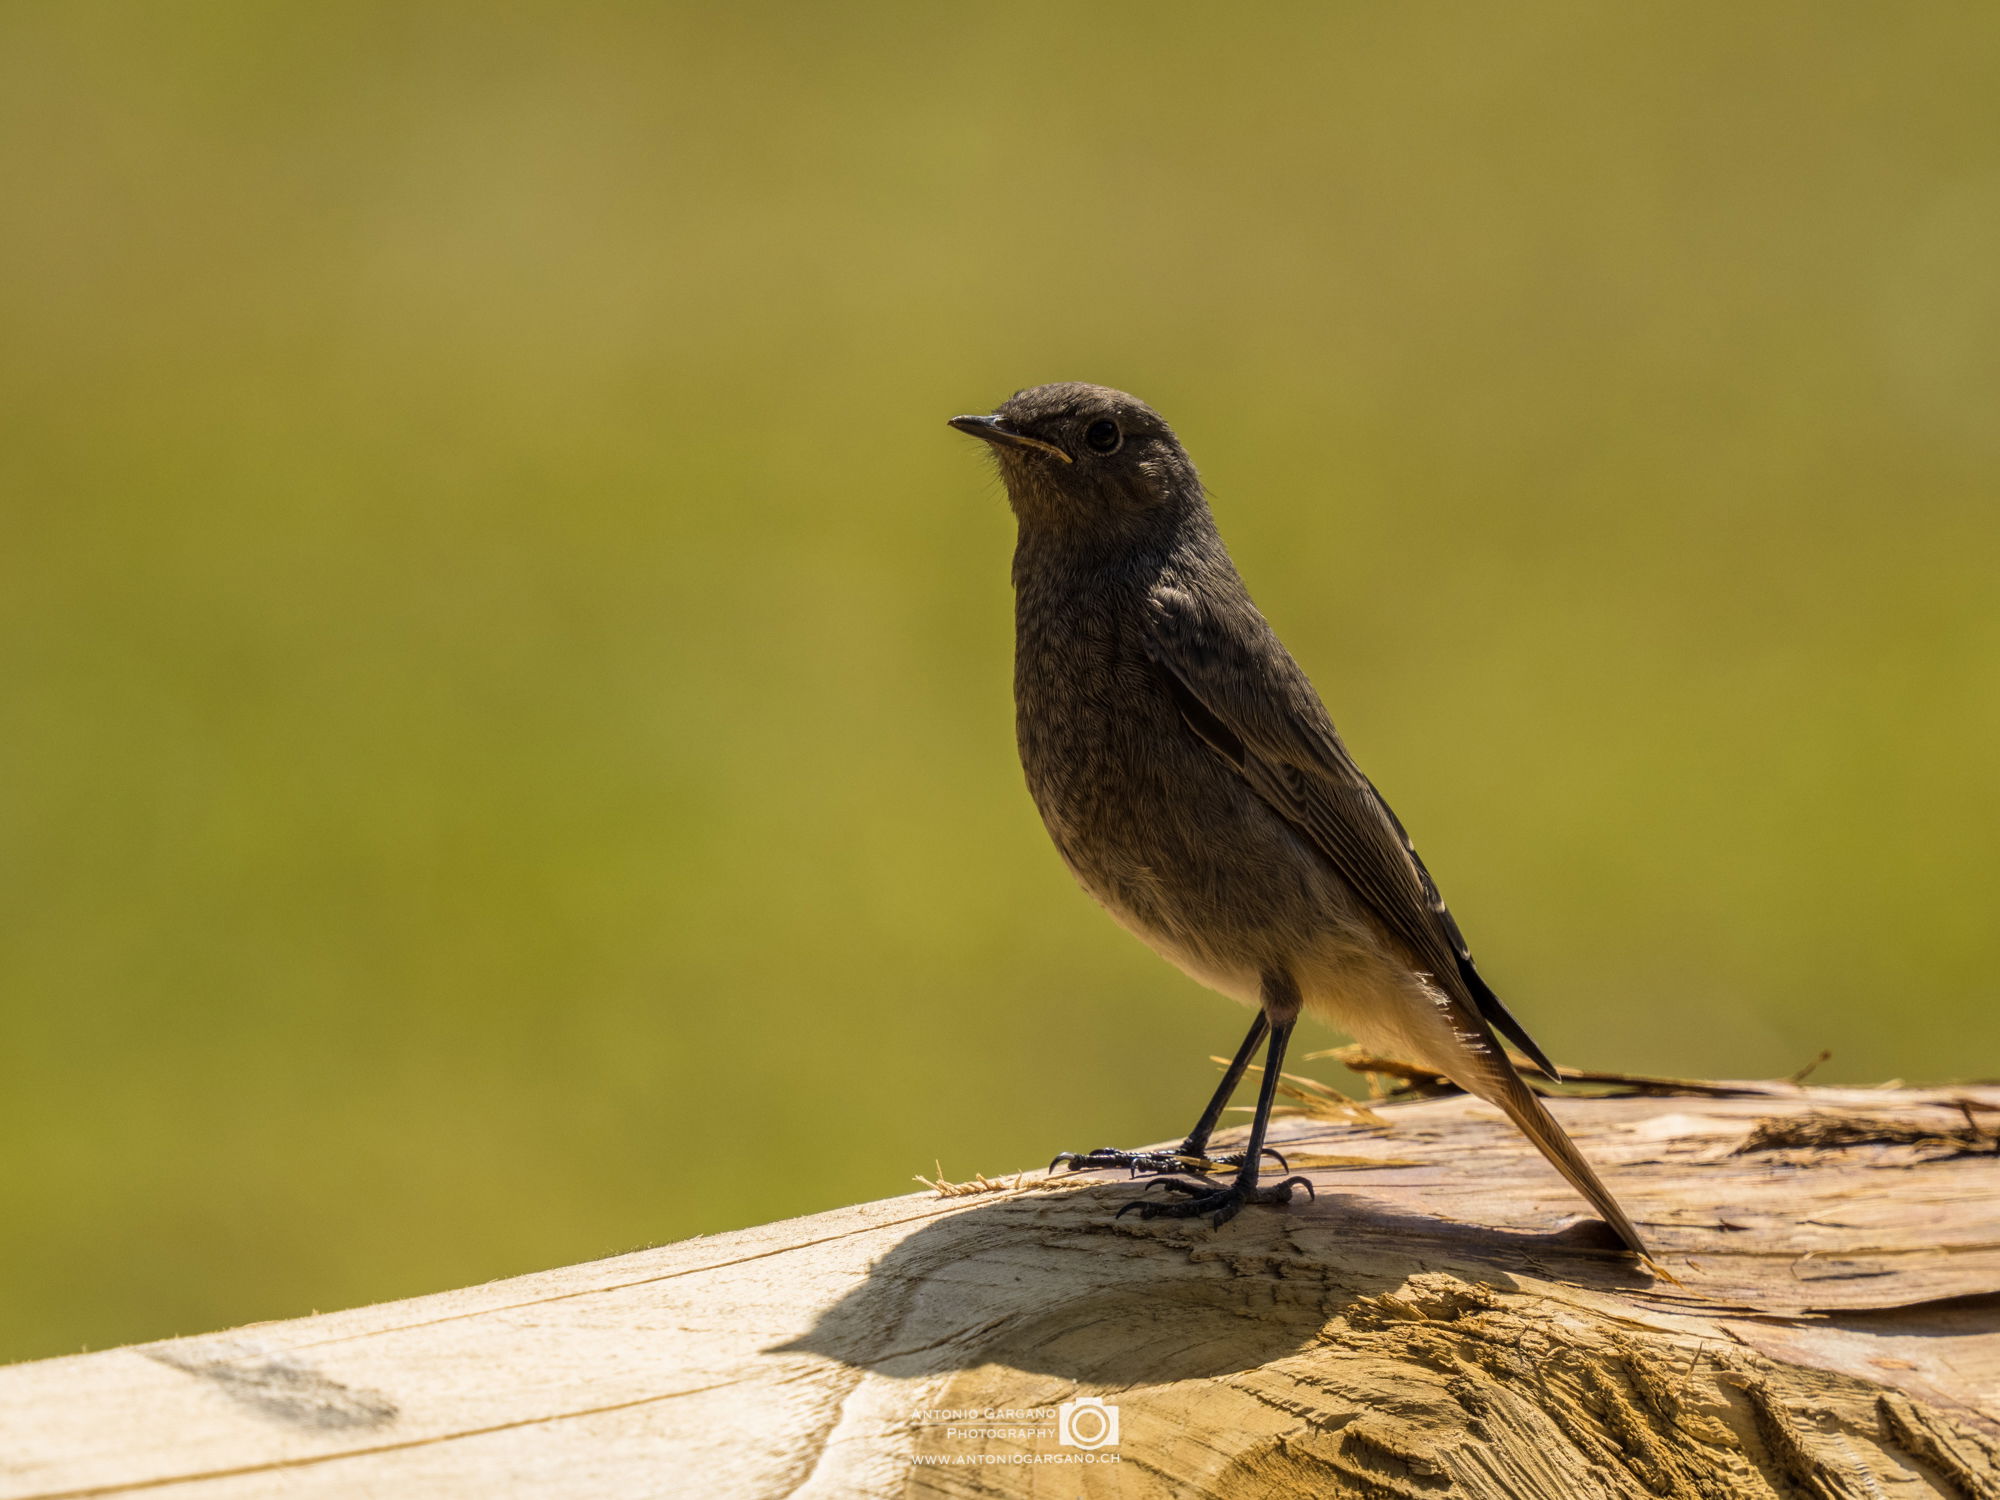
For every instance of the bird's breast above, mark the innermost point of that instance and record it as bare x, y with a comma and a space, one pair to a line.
1149, 819
1088, 704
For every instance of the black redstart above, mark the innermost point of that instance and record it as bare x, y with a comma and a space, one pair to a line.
1194, 784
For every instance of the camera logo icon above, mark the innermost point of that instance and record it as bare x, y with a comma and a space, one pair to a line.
1087, 1422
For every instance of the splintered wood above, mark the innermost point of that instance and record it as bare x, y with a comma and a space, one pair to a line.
1442, 1322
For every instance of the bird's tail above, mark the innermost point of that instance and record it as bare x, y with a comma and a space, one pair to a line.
1501, 1085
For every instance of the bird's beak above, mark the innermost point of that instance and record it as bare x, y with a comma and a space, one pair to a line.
999, 434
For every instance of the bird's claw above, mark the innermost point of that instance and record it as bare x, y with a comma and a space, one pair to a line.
1105, 1157
1237, 1158
1099, 1158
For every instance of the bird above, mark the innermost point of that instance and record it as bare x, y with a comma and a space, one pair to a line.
1193, 782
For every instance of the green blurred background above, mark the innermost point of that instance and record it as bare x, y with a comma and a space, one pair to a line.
507, 748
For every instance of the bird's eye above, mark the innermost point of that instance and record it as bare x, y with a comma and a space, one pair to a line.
1103, 436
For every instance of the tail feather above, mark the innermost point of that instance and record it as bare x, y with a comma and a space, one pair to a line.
1533, 1119
1502, 1019
1453, 1033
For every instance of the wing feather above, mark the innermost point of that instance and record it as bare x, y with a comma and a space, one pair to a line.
1240, 691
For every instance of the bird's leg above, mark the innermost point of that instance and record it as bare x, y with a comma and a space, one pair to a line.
1193, 1153
1221, 1204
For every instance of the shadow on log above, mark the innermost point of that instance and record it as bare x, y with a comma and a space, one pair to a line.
1441, 1324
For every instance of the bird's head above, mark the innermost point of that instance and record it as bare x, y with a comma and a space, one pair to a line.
1085, 459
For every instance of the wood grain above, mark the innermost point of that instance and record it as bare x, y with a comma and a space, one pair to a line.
1445, 1326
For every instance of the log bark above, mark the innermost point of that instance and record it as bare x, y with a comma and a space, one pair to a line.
1442, 1323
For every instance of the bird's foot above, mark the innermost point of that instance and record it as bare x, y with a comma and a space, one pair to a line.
1104, 1158
1217, 1204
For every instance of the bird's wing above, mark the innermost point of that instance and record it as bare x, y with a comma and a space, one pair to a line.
1241, 692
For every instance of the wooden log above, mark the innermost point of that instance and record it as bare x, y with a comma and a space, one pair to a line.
1441, 1322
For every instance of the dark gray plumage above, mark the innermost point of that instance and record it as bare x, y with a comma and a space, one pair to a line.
1193, 782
